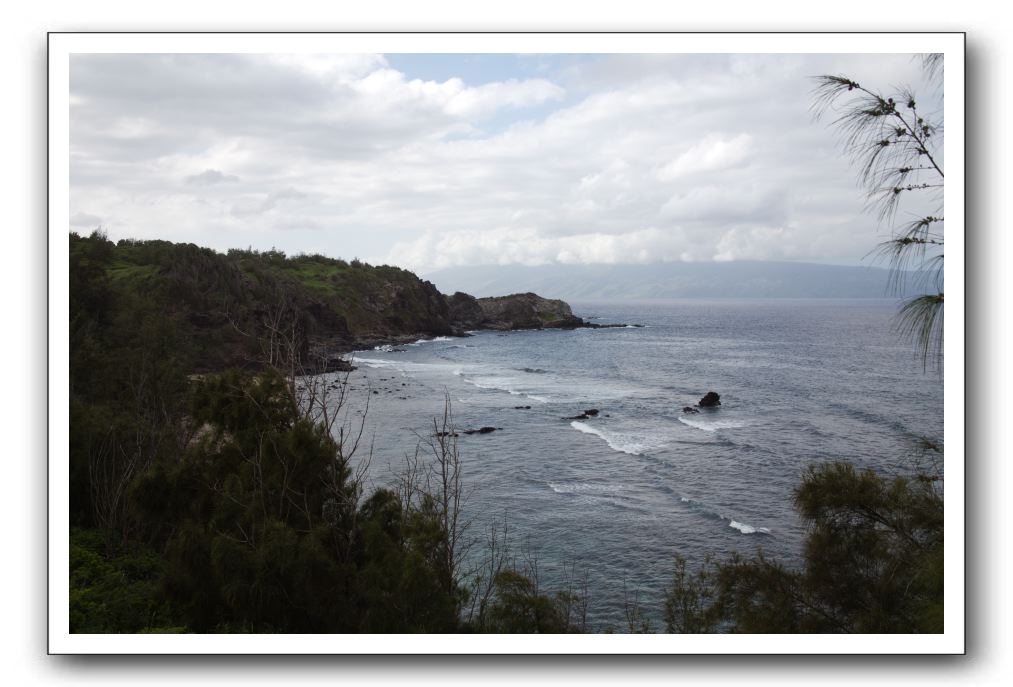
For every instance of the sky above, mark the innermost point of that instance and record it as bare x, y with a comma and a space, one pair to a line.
432, 161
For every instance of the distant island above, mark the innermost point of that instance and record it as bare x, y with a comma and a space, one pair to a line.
739, 279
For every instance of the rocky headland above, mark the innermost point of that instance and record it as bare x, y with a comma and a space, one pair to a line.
249, 308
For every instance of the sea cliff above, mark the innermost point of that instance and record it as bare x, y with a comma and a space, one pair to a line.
247, 308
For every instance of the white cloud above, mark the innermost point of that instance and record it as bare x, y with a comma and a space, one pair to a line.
528, 246
339, 67
617, 158
257, 206
713, 153
210, 177
83, 219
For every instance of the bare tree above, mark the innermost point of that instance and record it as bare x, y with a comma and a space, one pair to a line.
433, 474
574, 598
636, 621
485, 574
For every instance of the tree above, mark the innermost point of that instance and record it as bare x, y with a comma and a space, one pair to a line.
897, 148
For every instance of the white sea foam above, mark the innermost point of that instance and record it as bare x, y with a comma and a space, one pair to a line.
583, 488
437, 338
712, 426
623, 443
507, 384
511, 385
402, 366
748, 529
380, 363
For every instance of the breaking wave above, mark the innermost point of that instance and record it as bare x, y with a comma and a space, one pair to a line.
712, 426
617, 441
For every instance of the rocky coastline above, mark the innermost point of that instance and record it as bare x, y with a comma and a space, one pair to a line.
465, 314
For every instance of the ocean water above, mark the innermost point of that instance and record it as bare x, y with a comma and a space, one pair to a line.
615, 497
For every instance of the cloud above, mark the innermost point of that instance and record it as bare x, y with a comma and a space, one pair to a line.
255, 206
604, 158
528, 246
713, 153
210, 177
83, 219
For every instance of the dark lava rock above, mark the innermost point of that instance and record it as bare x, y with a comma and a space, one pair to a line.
586, 415
522, 407
690, 409
710, 400
526, 311
481, 430
465, 312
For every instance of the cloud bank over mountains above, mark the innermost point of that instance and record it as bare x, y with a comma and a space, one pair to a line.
599, 159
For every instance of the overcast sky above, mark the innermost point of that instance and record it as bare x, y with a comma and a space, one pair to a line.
427, 161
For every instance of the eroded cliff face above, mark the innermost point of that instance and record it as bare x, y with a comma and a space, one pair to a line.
526, 311
464, 311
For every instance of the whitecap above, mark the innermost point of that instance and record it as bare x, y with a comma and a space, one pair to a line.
583, 488
748, 529
712, 426
402, 366
624, 443
495, 384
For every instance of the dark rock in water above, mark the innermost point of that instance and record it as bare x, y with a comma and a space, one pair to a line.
481, 430
522, 407
592, 412
690, 409
445, 434
710, 400
586, 415
375, 391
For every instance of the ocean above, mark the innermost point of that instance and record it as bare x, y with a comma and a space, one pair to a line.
614, 497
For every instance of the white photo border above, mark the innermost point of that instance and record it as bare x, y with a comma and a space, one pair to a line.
63, 45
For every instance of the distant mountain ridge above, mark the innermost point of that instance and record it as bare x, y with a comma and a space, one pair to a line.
742, 279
